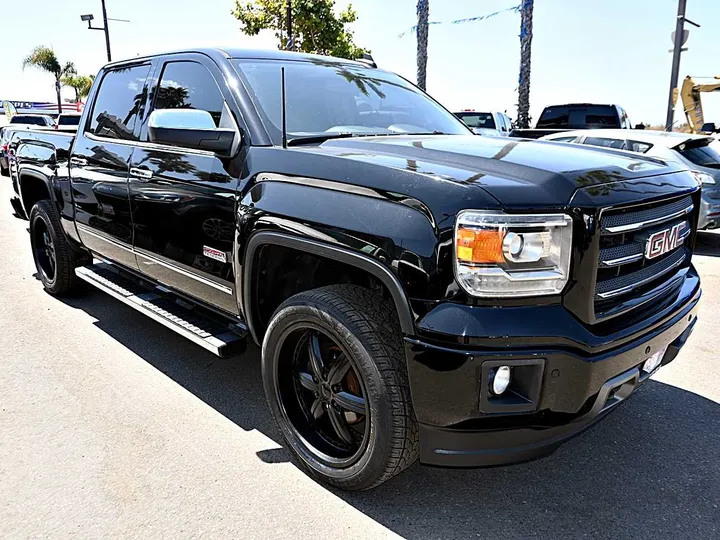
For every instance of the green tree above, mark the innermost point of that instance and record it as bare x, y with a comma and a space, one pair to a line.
80, 83
315, 26
44, 59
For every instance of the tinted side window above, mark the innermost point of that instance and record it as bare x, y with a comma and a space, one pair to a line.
607, 143
637, 146
189, 85
564, 139
118, 103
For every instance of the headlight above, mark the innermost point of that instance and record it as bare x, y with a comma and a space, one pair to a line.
500, 254
704, 178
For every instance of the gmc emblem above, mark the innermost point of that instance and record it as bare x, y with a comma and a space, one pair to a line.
661, 242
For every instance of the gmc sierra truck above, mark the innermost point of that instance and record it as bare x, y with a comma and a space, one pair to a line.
418, 292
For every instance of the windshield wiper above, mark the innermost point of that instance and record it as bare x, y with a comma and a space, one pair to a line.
436, 132
319, 137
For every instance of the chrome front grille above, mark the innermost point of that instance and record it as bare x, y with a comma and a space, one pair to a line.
644, 218
626, 278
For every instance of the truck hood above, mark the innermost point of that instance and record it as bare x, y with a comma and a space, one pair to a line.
515, 172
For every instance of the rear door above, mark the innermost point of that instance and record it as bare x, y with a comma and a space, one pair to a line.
183, 200
99, 163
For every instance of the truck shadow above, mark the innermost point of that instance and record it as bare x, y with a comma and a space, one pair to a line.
650, 470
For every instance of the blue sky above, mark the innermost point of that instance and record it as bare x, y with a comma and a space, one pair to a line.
612, 51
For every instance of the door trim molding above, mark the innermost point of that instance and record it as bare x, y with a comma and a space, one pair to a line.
155, 260
117, 243
186, 273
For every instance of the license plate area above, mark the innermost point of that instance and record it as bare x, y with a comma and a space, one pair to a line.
653, 362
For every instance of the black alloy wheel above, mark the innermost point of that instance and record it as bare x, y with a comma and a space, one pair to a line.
54, 258
44, 250
324, 399
335, 378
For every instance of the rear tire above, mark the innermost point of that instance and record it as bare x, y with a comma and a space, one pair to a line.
349, 424
52, 252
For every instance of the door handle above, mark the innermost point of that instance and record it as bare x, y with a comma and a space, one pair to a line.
78, 161
141, 174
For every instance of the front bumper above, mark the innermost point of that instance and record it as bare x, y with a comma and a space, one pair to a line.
576, 386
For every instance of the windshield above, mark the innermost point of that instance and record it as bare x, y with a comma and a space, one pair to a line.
700, 154
327, 97
579, 117
69, 120
477, 120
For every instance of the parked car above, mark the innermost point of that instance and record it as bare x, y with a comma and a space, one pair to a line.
67, 122
4, 140
417, 291
559, 118
493, 124
32, 120
695, 152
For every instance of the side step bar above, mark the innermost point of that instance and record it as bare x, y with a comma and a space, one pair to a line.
192, 322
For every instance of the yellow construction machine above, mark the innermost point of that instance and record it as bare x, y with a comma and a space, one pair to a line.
692, 105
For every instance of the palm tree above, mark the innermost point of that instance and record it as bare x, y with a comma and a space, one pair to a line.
526, 27
423, 15
80, 83
44, 58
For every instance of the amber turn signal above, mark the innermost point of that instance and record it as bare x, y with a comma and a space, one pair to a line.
480, 245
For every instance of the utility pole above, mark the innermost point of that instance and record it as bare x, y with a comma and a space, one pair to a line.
290, 43
107, 31
680, 36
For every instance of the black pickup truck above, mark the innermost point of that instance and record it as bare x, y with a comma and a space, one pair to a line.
417, 291
571, 116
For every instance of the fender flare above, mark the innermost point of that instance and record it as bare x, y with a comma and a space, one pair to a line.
27, 172
328, 251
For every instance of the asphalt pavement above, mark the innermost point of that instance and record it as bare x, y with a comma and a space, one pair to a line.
112, 426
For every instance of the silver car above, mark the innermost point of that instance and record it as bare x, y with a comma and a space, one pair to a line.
699, 153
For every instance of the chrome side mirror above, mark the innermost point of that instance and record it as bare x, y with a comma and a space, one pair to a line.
189, 128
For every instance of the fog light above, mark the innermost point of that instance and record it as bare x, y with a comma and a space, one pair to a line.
500, 380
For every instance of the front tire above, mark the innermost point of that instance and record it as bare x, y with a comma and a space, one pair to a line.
51, 251
336, 381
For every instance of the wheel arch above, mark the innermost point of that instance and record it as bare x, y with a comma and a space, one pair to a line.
33, 187
331, 253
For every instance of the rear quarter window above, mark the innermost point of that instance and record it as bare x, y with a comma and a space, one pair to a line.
618, 144
636, 146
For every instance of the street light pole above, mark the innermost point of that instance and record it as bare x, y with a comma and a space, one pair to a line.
89, 18
107, 31
679, 24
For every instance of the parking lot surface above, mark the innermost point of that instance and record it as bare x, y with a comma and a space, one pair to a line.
113, 426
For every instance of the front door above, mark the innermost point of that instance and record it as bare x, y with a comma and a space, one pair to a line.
100, 161
183, 201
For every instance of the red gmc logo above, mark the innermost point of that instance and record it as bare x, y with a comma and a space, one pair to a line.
661, 242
